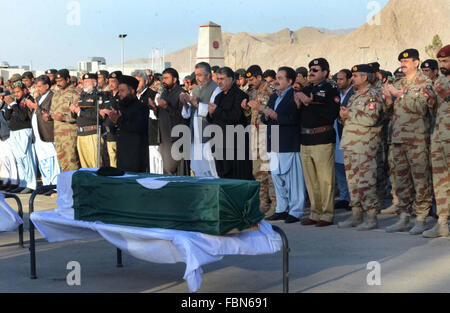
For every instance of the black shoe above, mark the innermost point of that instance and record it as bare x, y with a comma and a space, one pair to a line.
49, 193
26, 191
278, 217
291, 220
16, 190
342, 205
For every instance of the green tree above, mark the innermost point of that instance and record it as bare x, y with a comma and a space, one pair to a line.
436, 45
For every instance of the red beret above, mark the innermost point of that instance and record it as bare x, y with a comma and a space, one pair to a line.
444, 52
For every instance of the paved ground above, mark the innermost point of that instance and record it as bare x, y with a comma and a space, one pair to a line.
321, 260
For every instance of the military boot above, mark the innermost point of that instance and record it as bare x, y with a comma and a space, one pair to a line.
439, 230
393, 208
401, 226
420, 226
371, 221
355, 220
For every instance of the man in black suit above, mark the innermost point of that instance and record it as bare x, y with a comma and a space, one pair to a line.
282, 118
131, 121
232, 161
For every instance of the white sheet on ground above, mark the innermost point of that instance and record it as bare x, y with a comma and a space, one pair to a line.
9, 219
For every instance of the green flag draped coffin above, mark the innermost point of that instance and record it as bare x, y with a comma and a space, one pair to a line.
211, 206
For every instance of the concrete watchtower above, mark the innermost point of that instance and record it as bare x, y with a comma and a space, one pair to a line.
210, 45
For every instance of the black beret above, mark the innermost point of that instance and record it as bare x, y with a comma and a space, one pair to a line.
253, 71
376, 66
409, 54
432, 64
130, 81
90, 76
51, 71
323, 63
364, 68
444, 52
63, 74
27, 75
103, 73
302, 70
110, 171
116, 74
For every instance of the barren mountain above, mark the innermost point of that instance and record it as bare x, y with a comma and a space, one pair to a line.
402, 24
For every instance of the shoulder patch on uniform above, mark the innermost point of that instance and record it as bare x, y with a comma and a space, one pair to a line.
372, 105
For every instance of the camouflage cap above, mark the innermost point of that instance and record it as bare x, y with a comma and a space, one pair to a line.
15, 78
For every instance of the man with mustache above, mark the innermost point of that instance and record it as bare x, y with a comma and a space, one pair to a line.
430, 68
131, 121
319, 104
410, 137
85, 111
65, 124
440, 148
168, 109
259, 94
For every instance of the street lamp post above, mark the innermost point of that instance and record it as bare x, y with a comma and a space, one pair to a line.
123, 36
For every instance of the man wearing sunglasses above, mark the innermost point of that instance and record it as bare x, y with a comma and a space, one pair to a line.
319, 105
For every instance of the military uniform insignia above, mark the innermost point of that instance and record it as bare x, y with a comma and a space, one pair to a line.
113, 75
355, 68
337, 99
372, 106
316, 62
86, 76
405, 55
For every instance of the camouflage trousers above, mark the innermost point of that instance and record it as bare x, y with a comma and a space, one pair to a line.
440, 159
391, 170
361, 172
412, 173
261, 169
66, 147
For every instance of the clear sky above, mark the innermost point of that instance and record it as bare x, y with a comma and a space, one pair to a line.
59, 33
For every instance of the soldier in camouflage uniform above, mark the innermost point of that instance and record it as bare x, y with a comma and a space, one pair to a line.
259, 95
382, 168
65, 127
410, 137
440, 148
361, 138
